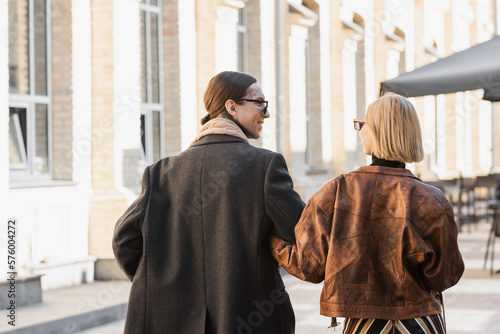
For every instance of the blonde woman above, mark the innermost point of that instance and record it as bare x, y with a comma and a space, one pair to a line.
383, 242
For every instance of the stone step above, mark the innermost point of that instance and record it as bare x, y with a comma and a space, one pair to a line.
26, 290
72, 309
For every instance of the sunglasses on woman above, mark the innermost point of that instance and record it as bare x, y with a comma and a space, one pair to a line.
358, 125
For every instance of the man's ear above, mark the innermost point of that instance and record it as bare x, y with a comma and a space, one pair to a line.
231, 107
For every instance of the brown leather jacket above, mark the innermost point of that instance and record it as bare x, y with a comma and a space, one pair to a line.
383, 241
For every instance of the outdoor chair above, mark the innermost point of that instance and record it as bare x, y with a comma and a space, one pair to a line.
467, 211
451, 189
485, 192
494, 233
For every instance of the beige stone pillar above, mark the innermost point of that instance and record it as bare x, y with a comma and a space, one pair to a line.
254, 48
284, 95
22, 53
62, 95
380, 44
206, 14
475, 98
171, 77
315, 137
254, 42
107, 204
361, 102
337, 37
421, 59
451, 124
102, 95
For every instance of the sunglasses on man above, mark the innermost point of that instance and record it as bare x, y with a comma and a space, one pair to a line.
260, 102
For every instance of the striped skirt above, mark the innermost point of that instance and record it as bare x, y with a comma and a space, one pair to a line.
431, 324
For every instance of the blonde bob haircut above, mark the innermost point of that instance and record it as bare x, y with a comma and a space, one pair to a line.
396, 129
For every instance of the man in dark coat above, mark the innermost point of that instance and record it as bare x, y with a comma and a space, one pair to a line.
195, 242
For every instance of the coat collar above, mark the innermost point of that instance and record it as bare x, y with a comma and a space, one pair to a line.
217, 139
221, 126
386, 171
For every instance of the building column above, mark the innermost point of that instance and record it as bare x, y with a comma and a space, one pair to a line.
254, 40
380, 45
171, 77
268, 70
254, 48
206, 14
337, 37
62, 95
475, 100
450, 101
107, 204
315, 133
361, 103
422, 58
187, 69
283, 63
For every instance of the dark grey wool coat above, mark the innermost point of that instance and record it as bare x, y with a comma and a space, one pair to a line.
195, 246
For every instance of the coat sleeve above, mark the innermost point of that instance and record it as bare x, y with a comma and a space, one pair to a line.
127, 237
306, 259
441, 264
283, 205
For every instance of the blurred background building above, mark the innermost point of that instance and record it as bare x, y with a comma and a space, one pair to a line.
98, 89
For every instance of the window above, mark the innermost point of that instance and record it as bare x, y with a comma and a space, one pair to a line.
17, 138
151, 135
29, 89
241, 29
151, 82
231, 37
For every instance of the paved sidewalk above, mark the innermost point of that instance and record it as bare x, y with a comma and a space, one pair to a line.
472, 306
71, 309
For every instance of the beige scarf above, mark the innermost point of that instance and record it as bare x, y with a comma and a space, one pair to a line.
220, 126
